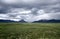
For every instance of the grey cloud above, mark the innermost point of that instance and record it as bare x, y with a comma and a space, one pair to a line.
42, 4
48, 6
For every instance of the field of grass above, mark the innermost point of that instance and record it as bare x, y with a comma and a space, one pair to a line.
29, 30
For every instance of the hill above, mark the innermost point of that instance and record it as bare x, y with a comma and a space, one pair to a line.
48, 21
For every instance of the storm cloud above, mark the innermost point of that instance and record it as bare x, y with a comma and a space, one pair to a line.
29, 10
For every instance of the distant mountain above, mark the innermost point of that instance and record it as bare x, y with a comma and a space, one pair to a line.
40, 21
22, 21
47, 21
6, 21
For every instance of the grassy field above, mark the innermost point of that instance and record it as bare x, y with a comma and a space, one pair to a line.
29, 30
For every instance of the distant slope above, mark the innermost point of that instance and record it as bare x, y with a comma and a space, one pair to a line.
43, 21
22, 21
48, 21
6, 21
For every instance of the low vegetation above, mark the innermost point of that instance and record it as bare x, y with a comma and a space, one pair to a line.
29, 30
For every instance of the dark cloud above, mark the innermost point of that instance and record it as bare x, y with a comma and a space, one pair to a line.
13, 9
42, 4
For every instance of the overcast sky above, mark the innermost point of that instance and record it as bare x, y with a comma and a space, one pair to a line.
29, 10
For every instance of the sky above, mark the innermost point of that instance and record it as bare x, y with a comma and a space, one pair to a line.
29, 10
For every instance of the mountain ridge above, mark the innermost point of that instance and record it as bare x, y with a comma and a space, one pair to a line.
43, 21
48, 21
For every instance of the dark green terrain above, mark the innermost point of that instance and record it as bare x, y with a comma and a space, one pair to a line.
29, 30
